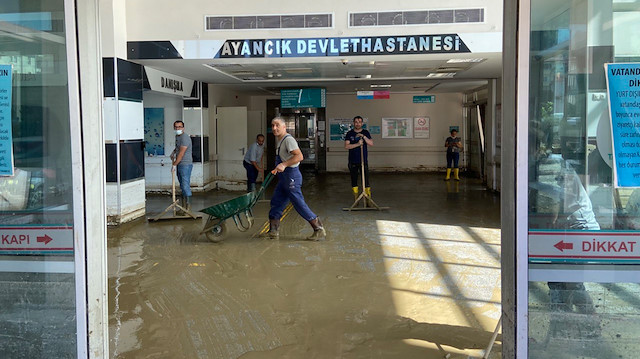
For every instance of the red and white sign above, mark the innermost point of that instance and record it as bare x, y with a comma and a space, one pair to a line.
421, 128
36, 240
584, 246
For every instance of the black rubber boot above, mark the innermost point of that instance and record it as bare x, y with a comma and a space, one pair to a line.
318, 230
274, 228
187, 203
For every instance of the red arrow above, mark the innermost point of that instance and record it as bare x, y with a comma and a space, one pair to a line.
562, 246
46, 239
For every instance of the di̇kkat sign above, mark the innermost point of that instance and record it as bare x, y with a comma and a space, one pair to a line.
623, 87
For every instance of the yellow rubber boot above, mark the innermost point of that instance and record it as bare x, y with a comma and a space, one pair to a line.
448, 174
367, 191
455, 174
355, 192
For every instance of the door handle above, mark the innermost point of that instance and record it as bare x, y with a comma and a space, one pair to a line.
242, 149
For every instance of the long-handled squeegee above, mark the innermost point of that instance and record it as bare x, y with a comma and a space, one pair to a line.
368, 204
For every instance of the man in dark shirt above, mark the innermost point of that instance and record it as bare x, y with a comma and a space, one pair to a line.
355, 138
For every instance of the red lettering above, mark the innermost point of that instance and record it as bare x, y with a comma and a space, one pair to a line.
586, 246
631, 244
612, 246
15, 239
623, 247
601, 246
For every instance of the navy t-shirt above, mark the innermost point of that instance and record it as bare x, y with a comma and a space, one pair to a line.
354, 153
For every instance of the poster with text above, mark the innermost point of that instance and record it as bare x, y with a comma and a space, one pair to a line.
338, 127
623, 88
6, 137
421, 127
397, 127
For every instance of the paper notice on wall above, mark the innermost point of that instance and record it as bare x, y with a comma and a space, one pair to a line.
6, 138
421, 127
623, 88
397, 127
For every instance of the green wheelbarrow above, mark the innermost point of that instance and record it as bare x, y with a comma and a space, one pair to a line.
234, 208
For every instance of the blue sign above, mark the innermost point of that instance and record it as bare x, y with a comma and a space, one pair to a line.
424, 99
298, 98
623, 87
6, 138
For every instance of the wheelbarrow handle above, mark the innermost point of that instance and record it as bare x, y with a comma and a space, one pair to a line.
267, 181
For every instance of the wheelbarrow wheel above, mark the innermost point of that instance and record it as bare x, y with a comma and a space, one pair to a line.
216, 233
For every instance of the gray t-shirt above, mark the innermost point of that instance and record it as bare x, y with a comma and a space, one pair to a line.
184, 140
285, 146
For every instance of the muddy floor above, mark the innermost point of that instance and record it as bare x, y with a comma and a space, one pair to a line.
420, 280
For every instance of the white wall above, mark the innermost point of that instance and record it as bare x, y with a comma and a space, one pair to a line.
396, 154
222, 96
132, 203
113, 28
190, 16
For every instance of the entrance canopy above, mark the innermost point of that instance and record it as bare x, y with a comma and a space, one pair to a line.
406, 63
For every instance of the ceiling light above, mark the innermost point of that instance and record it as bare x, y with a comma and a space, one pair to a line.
458, 61
358, 76
450, 69
243, 73
420, 69
441, 75
380, 85
253, 78
299, 70
222, 65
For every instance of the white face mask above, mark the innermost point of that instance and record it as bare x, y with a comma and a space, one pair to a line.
178, 132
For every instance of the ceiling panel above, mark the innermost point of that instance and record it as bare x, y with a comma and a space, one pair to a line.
405, 73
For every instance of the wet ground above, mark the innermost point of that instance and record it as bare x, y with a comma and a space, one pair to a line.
420, 280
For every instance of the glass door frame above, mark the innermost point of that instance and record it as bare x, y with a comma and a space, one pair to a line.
77, 169
521, 172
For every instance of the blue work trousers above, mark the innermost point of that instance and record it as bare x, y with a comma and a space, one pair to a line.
289, 189
252, 175
184, 177
453, 158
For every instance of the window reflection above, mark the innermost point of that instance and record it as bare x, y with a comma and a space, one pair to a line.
570, 188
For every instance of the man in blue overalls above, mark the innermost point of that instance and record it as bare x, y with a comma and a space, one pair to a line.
288, 158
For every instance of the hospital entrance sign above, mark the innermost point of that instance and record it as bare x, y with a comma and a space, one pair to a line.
604, 247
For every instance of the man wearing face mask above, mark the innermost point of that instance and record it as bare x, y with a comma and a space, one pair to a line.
183, 162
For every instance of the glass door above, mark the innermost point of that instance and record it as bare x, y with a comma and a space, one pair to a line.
41, 239
583, 247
